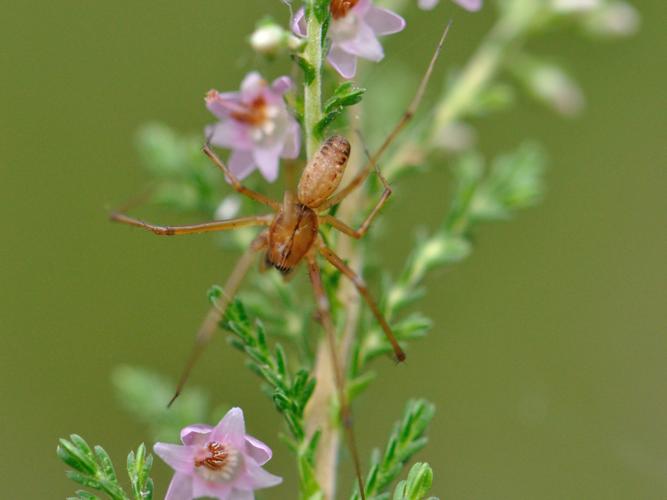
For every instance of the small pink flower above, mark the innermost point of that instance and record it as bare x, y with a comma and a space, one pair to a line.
471, 5
355, 26
255, 124
221, 462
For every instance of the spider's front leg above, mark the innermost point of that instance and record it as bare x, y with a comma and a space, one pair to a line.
206, 227
236, 184
402, 122
215, 314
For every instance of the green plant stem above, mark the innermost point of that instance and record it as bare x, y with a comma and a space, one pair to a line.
313, 90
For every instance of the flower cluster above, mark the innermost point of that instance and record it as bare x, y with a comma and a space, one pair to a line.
255, 123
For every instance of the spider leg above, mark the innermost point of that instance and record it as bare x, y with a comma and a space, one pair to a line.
345, 412
206, 227
358, 282
402, 122
236, 184
215, 314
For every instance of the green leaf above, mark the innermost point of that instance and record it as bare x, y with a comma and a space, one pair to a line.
214, 294
418, 484
320, 8
78, 458
105, 463
346, 94
306, 67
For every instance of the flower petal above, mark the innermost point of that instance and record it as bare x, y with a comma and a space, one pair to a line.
361, 7
299, 22
229, 134
257, 450
267, 160
180, 487
292, 141
383, 21
471, 5
255, 478
203, 488
195, 434
365, 44
219, 103
343, 62
241, 495
281, 85
180, 458
231, 429
427, 4
241, 163
252, 86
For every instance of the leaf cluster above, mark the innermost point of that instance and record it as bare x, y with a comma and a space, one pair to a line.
93, 468
345, 95
290, 393
406, 439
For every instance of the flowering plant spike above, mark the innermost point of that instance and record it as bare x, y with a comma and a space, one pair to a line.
314, 358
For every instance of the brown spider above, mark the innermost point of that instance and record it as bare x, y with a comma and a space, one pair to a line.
292, 235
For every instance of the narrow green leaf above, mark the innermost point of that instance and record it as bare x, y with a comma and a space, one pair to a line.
105, 462
306, 67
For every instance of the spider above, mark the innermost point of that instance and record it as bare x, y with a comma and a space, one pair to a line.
291, 236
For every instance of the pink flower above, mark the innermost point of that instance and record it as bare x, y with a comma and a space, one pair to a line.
221, 462
355, 26
255, 124
471, 5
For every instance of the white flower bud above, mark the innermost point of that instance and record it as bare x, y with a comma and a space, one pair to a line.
613, 19
557, 89
568, 6
228, 208
269, 39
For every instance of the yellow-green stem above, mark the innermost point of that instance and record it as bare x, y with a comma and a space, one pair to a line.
312, 98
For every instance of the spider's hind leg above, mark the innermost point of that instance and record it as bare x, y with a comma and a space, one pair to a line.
322, 303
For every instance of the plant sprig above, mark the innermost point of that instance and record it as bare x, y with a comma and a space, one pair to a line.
93, 468
406, 439
289, 392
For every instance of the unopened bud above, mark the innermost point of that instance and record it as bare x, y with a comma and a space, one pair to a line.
613, 19
557, 89
549, 84
228, 208
568, 6
269, 39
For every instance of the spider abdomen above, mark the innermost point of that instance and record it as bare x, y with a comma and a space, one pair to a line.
324, 171
291, 235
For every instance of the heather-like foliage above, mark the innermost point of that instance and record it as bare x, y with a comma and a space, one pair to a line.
331, 44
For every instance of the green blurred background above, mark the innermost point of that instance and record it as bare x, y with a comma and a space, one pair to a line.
547, 362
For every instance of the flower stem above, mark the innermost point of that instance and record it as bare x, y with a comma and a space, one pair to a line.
313, 89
